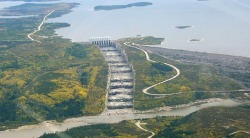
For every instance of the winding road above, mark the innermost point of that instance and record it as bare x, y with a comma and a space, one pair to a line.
246, 94
245, 132
138, 124
148, 59
39, 28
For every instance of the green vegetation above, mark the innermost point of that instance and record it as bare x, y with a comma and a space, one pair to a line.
196, 80
77, 51
197, 77
242, 77
147, 40
211, 122
162, 67
38, 9
15, 33
54, 79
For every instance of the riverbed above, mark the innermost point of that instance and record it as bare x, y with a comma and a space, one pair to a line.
31, 131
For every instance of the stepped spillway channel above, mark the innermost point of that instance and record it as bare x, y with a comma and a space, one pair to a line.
121, 75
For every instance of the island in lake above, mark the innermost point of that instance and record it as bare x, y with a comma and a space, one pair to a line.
115, 7
182, 27
195, 40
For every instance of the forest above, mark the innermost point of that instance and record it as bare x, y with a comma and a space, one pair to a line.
52, 80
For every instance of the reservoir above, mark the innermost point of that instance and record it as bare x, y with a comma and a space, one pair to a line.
216, 26
212, 26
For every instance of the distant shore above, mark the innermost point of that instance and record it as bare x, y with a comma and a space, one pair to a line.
115, 7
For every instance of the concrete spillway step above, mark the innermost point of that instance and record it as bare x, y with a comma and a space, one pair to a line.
121, 83
121, 100
114, 59
121, 76
120, 97
127, 91
122, 80
121, 86
114, 62
107, 46
110, 50
117, 93
119, 65
121, 90
111, 53
121, 71
119, 105
114, 68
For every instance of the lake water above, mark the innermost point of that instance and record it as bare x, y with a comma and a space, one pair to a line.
223, 25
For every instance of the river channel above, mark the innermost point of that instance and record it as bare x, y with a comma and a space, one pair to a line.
31, 131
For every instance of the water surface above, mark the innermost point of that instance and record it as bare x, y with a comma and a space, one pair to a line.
223, 25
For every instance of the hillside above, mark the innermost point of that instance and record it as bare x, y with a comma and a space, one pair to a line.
196, 80
47, 77
211, 122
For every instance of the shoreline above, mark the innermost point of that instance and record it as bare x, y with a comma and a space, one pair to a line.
161, 46
189, 56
